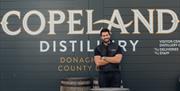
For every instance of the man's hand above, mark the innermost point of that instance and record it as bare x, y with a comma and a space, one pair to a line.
106, 60
115, 59
100, 61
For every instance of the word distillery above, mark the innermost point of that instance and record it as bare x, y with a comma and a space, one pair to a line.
74, 20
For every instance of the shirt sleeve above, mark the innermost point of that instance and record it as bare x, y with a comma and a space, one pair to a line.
119, 50
96, 52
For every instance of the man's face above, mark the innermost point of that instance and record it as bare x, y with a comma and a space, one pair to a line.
105, 37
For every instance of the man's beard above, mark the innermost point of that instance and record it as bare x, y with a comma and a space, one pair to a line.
106, 41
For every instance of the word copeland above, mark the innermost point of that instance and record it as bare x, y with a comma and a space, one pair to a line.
116, 21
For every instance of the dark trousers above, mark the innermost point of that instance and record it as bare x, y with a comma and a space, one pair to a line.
109, 79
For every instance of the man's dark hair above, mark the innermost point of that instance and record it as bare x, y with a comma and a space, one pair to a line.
104, 30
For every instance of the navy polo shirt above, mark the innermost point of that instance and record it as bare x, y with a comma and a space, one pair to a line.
109, 50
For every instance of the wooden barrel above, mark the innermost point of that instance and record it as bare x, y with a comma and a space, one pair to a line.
110, 89
76, 84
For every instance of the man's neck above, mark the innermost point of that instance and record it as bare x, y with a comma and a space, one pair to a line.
106, 43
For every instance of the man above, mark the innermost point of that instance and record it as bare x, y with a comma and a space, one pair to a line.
108, 56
